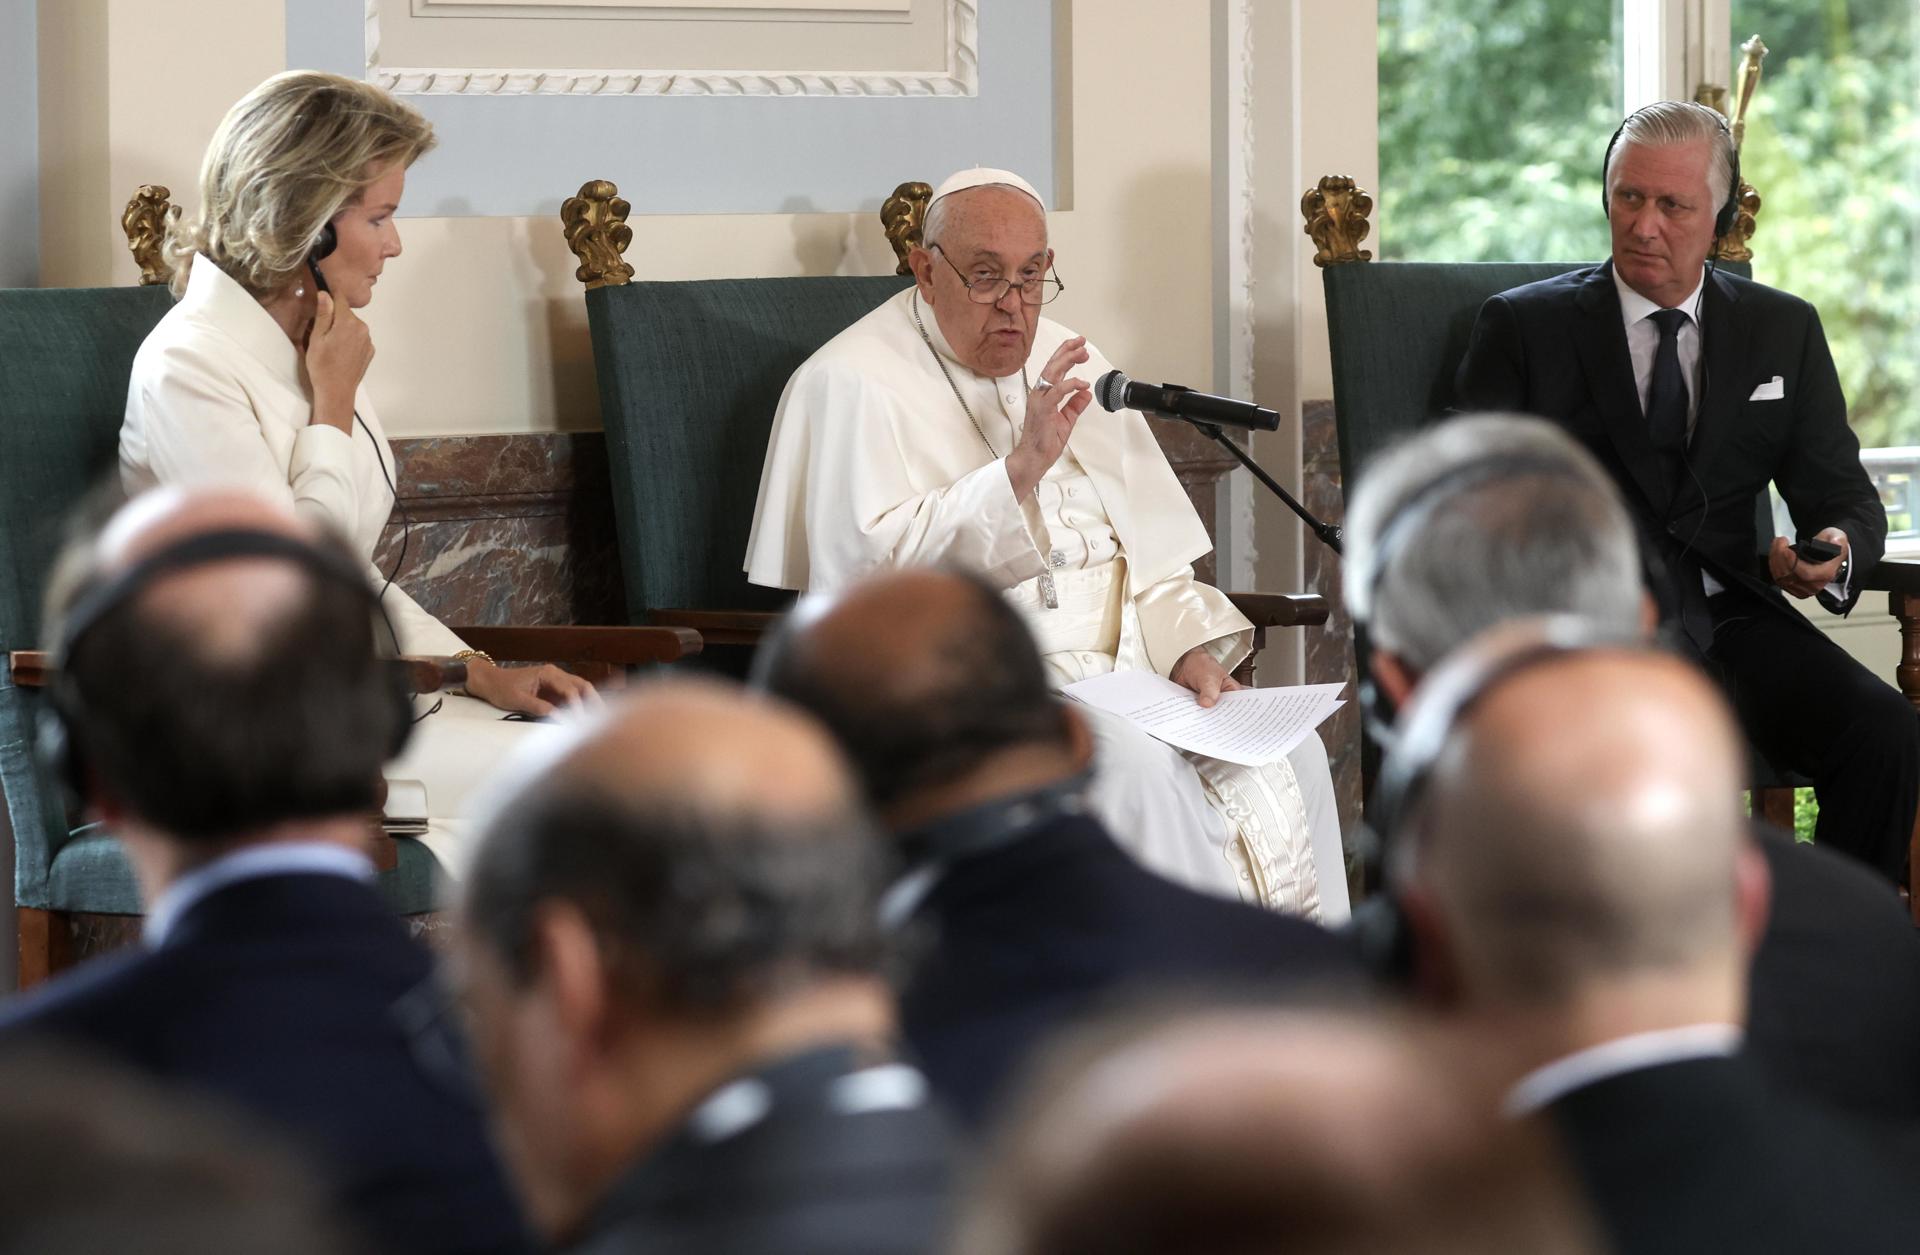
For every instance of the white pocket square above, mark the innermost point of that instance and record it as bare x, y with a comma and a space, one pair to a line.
1772, 390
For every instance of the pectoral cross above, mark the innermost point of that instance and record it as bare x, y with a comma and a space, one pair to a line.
1049, 594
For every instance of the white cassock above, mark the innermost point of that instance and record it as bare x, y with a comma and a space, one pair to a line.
873, 463
218, 397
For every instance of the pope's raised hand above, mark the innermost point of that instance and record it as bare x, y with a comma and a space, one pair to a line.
1053, 406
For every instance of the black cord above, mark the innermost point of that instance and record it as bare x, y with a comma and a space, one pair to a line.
406, 531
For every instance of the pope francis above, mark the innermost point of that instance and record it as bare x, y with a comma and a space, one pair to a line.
946, 427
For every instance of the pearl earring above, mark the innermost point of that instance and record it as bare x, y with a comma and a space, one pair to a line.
298, 291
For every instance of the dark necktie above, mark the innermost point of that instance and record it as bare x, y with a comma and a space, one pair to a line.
1667, 393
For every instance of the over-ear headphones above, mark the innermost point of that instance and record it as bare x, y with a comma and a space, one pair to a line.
1723, 218
1447, 695
64, 713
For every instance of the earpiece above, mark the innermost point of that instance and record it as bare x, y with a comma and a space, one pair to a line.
323, 246
64, 713
1728, 211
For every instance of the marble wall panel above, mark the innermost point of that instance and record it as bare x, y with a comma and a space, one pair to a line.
518, 529
508, 529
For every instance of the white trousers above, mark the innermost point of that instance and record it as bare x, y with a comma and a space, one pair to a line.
1269, 835
455, 752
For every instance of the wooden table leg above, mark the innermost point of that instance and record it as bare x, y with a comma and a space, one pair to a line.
1906, 608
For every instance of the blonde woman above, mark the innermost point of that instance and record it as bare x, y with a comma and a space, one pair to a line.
255, 377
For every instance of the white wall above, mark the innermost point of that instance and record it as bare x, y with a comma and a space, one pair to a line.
19, 146
480, 325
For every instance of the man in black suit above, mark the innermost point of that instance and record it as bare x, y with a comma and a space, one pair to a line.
227, 716
1489, 518
671, 948
1583, 899
1695, 389
1032, 917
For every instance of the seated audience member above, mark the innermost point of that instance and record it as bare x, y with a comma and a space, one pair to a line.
93, 1158
256, 379
1248, 1133
227, 717
948, 426
1583, 899
1034, 915
671, 949
1480, 520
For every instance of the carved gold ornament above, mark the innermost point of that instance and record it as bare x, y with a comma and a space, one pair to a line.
145, 221
596, 227
1733, 245
902, 217
1336, 213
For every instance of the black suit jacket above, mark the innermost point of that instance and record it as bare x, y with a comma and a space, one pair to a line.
821, 1172
1034, 934
1558, 349
298, 999
1835, 1012
1704, 1155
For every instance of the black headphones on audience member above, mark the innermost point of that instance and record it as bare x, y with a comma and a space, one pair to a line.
64, 712
1449, 693
1723, 219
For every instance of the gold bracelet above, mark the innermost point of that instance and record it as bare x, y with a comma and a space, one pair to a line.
463, 656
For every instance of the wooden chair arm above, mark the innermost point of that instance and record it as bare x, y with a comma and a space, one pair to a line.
617, 646
32, 668
720, 627
1281, 609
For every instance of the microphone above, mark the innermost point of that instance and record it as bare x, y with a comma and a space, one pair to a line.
1115, 391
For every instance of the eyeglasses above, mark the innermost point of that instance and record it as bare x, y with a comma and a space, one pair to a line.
1036, 291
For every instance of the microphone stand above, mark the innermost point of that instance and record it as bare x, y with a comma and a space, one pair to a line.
1329, 533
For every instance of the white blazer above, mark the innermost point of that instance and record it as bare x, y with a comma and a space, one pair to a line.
219, 396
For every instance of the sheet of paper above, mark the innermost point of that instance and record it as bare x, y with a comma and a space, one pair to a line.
1252, 727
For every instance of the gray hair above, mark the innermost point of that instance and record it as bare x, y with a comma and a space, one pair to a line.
1516, 520
1666, 123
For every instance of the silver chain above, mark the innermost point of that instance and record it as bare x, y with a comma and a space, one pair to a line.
941, 362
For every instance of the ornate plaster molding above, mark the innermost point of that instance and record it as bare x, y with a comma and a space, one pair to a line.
960, 78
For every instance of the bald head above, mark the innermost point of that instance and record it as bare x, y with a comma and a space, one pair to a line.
711, 835
1584, 825
923, 676
1254, 1132
179, 668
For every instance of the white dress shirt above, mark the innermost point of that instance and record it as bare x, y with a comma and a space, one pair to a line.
279, 858
1546, 1085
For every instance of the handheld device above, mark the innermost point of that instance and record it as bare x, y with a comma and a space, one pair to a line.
1816, 551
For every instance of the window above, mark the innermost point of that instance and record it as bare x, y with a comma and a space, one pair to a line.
1493, 118
1833, 147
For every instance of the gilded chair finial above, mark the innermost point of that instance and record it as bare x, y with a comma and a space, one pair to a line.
902, 216
145, 221
596, 228
1336, 212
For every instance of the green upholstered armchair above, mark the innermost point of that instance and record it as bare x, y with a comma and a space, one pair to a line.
1398, 331
690, 374
65, 355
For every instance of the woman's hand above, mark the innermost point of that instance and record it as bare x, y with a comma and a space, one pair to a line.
339, 350
537, 690
1197, 670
